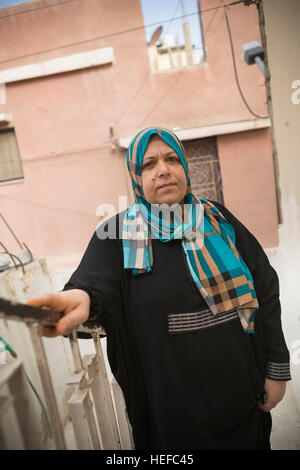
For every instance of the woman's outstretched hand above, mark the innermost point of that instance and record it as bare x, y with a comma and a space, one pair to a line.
74, 304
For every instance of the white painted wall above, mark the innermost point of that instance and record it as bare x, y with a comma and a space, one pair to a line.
283, 39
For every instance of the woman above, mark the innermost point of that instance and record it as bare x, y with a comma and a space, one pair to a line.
190, 305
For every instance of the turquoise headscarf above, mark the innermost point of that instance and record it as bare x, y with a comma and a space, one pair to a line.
219, 272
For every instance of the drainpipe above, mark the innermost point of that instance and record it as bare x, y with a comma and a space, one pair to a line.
270, 109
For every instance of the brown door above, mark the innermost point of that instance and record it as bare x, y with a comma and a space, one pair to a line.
204, 168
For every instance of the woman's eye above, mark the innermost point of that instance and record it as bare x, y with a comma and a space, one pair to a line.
147, 165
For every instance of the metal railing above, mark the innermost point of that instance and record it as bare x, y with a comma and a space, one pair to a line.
96, 406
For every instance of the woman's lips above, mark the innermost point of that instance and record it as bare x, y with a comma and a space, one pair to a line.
167, 185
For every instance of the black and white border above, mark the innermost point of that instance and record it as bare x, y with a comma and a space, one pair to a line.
277, 371
188, 322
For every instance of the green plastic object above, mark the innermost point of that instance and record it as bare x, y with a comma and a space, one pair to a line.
6, 346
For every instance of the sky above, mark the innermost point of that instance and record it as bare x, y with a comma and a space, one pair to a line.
159, 10
7, 3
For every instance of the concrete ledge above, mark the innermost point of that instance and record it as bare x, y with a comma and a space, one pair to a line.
5, 118
60, 65
208, 131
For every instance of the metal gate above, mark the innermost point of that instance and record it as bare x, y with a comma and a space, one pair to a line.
204, 168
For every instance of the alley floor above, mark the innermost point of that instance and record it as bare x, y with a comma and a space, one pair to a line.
286, 423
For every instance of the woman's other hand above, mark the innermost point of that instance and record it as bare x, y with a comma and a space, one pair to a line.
275, 390
74, 304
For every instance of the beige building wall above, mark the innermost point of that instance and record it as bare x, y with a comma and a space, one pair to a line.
282, 27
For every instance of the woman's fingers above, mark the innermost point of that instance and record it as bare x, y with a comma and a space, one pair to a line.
72, 319
66, 324
74, 304
49, 332
48, 301
52, 301
267, 406
274, 391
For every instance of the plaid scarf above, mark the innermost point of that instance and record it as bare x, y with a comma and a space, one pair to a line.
208, 240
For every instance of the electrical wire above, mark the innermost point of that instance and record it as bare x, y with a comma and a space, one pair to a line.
133, 98
147, 74
212, 18
42, 406
8, 347
158, 103
178, 78
174, 13
109, 35
235, 71
35, 9
221, 5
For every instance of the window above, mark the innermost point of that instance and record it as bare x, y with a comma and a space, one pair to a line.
10, 164
173, 43
204, 168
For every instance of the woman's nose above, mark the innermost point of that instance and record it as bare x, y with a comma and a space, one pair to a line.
162, 168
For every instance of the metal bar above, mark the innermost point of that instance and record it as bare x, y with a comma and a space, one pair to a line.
20, 262
171, 58
31, 257
47, 385
76, 351
7, 252
11, 231
79, 419
11, 310
103, 399
81, 405
124, 425
14, 376
89, 413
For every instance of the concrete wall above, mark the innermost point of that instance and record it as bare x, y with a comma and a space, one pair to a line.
246, 163
283, 39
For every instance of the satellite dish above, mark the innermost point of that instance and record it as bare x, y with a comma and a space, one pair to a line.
155, 36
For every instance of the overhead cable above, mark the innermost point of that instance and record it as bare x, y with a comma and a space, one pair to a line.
130, 30
35, 9
236, 74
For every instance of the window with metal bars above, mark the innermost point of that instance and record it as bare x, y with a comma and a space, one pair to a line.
204, 168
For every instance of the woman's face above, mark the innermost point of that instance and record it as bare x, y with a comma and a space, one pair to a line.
163, 176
